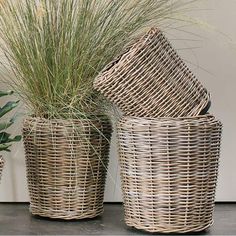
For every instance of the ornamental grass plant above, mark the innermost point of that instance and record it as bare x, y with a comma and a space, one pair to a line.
53, 49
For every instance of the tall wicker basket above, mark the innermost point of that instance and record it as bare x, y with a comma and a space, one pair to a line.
150, 80
169, 171
66, 166
1, 166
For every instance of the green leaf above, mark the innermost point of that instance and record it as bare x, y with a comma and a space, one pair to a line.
5, 147
7, 108
16, 139
5, 93
5, 125
5, 138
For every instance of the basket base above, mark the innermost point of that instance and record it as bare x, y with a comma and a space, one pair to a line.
171, 229
66, 215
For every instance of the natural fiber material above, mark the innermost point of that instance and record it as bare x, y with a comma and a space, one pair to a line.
66, 166
169, 171
1, 166
150, 80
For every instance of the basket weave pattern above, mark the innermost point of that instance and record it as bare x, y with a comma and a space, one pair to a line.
150, 80
1, 166
66, 166
169, 171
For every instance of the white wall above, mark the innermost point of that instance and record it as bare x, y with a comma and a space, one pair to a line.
215, 54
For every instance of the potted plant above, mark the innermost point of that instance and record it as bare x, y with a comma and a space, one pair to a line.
5, 138
54, 50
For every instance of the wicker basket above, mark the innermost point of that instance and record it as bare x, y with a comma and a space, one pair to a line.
169, 171
150, 80
66, 166
1, 166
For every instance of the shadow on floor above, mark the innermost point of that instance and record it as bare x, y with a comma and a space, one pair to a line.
15, 219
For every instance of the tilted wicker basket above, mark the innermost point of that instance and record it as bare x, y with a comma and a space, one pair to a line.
169, 171
1, 166
66, 166
150, 80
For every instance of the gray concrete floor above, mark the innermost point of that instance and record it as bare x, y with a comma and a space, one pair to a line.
16, 220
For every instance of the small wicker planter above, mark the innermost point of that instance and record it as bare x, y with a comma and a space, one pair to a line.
66, 166
150, 80
169, 171
1, 166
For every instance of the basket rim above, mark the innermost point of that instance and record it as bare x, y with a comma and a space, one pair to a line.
61, 120
134, 123
206, 116
136, 44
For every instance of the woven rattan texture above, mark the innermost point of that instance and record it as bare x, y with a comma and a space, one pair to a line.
1, 166
66, 166
151, 80
169, 171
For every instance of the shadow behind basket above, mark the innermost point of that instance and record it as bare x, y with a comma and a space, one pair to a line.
169, 171
66, 166
150, 80
1, 166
